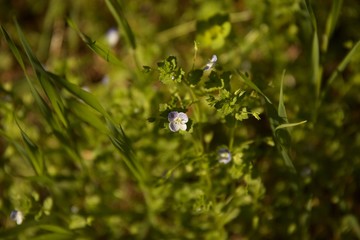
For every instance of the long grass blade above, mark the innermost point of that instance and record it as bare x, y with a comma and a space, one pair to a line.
86, 114
116, 10
252, 85
48, 88
289, 125
96, 47
33, 153
342, 65
331, 23
13, 48
281, 107
316, 71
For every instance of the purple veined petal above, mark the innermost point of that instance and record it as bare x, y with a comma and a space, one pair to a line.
182, 127
172, 116
184, 118
174, 126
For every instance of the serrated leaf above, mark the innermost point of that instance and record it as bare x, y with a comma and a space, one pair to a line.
194, 76
214, 82
169, 71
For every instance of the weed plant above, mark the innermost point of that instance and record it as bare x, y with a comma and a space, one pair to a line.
180, 119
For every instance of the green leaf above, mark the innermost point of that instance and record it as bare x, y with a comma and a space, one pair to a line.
194, 76
169, 71
214, 82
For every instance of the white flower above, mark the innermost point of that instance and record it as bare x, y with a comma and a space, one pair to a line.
224, 156
211, 63
17, 216
177, 121
112, 37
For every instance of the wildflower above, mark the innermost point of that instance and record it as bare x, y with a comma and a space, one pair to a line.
17, 216
224, 156
112, 37
211, 63
177, 121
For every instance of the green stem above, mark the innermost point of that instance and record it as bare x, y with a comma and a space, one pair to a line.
232, 136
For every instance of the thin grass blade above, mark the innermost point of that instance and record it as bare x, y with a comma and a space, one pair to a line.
86, 114
116, 10
13, 48
252, 85
281, 107
331, 23
102, 51
87, 97
343, 64
33, 153
289, 125
48, 88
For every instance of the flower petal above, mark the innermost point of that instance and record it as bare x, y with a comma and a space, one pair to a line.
172, 116
182, 127
224, 155
17, 216
174, 127
183, 117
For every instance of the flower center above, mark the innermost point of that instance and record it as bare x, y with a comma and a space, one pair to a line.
178, 121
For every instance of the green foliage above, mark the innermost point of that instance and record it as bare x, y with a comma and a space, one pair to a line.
169, 71
87, 151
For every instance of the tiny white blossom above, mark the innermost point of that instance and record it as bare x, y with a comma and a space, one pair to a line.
224, 156
177, 121
112, 37
211, 63
17, 216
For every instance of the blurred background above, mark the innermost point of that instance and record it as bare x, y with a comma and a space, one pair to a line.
92, 195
